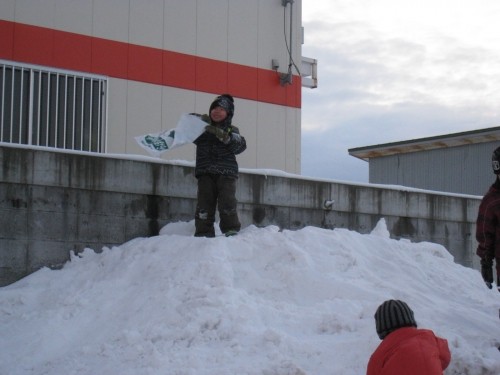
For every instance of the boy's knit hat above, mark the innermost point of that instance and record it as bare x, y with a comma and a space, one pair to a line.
225, 101
391, 315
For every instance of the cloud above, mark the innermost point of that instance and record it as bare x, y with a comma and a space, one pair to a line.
325, 147
386, 74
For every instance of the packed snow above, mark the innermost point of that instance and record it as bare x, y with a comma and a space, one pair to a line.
265, 302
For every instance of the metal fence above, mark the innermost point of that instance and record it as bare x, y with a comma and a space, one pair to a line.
44, 107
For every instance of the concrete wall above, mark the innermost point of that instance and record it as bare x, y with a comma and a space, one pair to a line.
54, 202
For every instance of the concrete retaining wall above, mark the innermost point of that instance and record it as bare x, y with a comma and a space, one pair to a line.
53, 203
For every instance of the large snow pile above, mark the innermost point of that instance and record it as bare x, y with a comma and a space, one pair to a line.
264, 302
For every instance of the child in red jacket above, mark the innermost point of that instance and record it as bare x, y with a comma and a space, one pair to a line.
405, 349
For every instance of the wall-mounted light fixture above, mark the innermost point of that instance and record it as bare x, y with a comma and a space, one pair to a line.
275, 64
328, 204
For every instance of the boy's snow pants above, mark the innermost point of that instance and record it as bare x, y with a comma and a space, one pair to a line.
216, 192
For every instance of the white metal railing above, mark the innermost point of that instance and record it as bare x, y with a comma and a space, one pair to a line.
46, 107
309, 72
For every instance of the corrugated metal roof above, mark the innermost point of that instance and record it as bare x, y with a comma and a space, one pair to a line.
430, 143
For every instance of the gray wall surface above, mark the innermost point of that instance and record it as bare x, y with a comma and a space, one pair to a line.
54, 202
461, 169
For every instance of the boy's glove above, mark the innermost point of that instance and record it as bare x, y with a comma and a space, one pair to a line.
487, 274
220, 133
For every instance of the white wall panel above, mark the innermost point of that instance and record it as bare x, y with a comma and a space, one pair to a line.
111, 19
38, 13
73, 16
245, 119
292, 139
117, 116
175, 103
298, 142
271, 137
144, 103
243, 32
212, 29
180, 26
7, 10
203, 101
271, 35
146, 23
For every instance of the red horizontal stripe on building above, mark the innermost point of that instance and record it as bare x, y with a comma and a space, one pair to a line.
60, 49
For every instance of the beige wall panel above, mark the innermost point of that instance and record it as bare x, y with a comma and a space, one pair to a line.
111, 19
212, 28
296, 42
117, 116
272, 132
293, 133
297, 32
180, 26
73, 16
271, 137
298, 142
243, 32
271, 35
175, 103
245, 118
144, 103
7, 10
146, 23
38, 13
204, 100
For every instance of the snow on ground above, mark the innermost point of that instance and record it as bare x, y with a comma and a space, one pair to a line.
265, 302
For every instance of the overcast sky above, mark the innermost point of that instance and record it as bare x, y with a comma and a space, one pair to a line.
394, 70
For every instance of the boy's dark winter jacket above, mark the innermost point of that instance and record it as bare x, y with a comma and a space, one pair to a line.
488, 227
215, 157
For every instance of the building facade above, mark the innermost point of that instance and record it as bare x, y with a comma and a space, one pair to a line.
91, 75
454, 163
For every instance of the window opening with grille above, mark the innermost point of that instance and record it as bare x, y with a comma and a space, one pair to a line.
44, 107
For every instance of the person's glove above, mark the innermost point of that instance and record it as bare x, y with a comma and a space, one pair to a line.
220, 133
487, 274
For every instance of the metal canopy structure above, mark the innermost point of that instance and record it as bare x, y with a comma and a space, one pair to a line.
423, 144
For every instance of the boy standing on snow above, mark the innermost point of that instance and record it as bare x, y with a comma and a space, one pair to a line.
488, 226
406, 349
217, 169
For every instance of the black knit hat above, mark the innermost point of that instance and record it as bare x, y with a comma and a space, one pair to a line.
391, 315
225, 101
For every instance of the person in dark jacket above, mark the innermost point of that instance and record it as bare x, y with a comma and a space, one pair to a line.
405, 349
488, 227
217, 169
